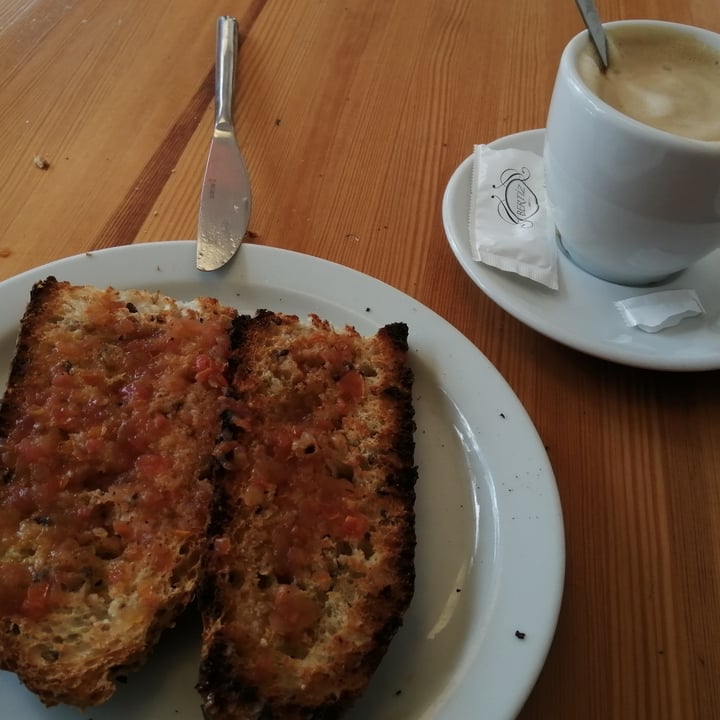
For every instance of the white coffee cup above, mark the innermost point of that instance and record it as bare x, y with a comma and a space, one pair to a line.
632, 204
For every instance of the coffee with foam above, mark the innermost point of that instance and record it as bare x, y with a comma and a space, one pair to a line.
661, 77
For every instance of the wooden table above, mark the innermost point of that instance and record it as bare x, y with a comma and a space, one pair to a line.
352, 115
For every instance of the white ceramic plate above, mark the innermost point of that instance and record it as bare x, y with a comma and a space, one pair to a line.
582, 314
490, 553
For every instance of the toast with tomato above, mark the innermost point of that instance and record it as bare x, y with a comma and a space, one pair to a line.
107, 430
310, 560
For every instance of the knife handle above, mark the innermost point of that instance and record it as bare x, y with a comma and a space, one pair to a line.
226, 55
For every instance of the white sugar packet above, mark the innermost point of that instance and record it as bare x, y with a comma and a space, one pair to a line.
509, 224
656, 311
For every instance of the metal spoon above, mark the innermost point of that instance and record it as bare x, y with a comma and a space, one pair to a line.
597, 33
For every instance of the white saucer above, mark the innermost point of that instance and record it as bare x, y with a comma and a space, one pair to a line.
581, 314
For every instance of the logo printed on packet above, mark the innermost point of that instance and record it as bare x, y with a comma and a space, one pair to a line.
519, 203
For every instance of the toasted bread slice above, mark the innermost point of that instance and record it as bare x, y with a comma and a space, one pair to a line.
107, 429
310, 562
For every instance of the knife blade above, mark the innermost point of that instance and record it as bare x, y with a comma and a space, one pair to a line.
226, 199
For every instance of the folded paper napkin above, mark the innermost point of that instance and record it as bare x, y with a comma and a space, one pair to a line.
510, 227
656, 311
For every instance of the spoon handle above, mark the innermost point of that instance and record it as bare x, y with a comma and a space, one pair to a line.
597, 33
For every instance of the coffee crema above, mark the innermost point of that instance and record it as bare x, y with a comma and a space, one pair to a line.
661, 77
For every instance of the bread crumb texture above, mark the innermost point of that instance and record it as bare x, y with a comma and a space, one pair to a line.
106, 435
310, 565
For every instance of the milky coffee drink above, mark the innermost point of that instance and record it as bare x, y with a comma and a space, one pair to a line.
662, 77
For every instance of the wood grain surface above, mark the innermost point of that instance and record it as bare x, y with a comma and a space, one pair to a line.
352, 115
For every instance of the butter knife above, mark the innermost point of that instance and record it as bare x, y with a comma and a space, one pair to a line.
226, 200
